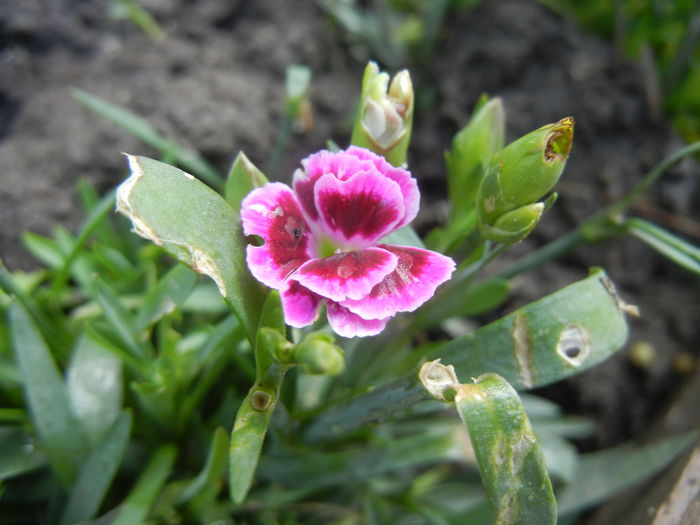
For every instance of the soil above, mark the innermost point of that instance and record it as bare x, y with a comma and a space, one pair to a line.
215, 84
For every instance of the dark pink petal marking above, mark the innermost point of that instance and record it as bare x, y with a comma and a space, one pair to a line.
408, 185
418, 273
272, 212
358, 211
345, 323
300, 305
346, 275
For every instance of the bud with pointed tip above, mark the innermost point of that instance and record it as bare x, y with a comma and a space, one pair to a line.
519, 175
385, 116
317, 354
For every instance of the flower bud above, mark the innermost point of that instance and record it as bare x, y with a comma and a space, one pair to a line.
317, 354
385, 115
275, 343
515, 225
521, 173
472, 149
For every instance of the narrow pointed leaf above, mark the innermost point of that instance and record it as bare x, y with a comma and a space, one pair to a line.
195, 225
47, 396
555, 337
123, 324
97, 473
320, 470
18, 453
170, 293
94, 379
213, 470
679, 251
253, 416
509, 457
138, 503
142, 130
243, 177
602, 474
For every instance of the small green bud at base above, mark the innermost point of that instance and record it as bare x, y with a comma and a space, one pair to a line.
317, 354
515, 225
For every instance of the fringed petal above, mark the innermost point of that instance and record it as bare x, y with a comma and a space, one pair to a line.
300, 305
273, 213
345, 323
359, 211
418, 273
348, 274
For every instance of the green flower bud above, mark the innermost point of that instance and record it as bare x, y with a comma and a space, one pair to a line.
514, 225
317, 354
472, 149
276, 343
385, 116
525, 170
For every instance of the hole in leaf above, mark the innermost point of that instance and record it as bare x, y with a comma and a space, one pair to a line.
573, 345
572, 351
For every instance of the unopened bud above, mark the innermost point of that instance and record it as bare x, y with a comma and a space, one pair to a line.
515, 225
523, 172
385, 116
472, 149
317, 354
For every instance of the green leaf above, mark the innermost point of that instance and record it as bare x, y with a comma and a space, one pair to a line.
213, 470
18, 453
602, 474
253, 416
141, 129
47, 396
44, 249
555, 337
679, 251
243, 177
473, 300
94, 218
405, 236
121, 321
142, 497
313, 470
97, 472
94, 380
510, 460
197, 226
560, 456
170, 293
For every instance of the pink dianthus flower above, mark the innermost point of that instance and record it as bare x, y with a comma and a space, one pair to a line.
322, 242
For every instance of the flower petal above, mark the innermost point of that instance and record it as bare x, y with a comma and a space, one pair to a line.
418, 273
300, 305
348, 274
359, 211
408, 185
340, 164
345, 323
273, 213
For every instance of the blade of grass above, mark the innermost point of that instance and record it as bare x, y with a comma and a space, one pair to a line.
141, 129
138, 503
97, 473
47, 396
